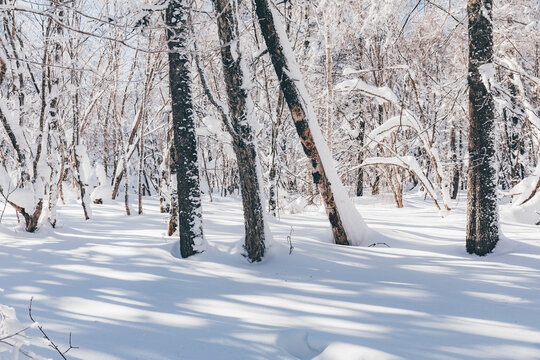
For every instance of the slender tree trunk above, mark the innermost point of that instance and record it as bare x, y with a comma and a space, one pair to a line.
53, 136
187, 170
85, 199
241, 113
482, 211
173, 201
208, 182
455, 166
329, 84
141, 167
272, 174
126, 187
360, 174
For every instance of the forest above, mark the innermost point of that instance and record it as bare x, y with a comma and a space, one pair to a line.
265, 179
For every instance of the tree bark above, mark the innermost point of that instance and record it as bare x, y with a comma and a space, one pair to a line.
241, 113
300, 114
482, 211
455, 165
360, 173
187, 170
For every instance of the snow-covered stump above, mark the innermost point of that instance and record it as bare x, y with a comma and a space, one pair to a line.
348, 227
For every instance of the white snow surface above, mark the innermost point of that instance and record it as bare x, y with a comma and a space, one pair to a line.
114, 284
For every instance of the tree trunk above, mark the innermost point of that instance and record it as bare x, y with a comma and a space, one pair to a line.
360, 174
482, 211
329, 84
187, 170
31, 220
241, 113
455, 166
53, 135
141, 167
303, 115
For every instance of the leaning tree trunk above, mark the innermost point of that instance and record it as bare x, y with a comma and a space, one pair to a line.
241, 113
306, 125
482, 211
187, 171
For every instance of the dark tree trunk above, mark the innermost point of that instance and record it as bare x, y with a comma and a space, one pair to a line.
299, 111
360, 174
482, 211
187, 171
240, 114
173, 204
455, 165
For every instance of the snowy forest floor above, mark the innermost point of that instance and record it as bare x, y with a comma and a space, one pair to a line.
113, 283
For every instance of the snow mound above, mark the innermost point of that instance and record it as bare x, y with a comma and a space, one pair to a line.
339, 350
103, 193
295, 342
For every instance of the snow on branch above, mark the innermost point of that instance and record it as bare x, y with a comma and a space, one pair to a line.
395, 123
408, 163
383, 94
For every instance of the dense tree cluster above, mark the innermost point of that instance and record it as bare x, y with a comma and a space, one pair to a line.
276, 101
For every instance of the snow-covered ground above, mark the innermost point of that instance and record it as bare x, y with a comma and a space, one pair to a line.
113, 283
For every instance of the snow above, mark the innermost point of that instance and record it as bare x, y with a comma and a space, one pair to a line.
102, 192
13, 338
383, 93
88, 173
487, 72
381, 132
114, 284
24, 198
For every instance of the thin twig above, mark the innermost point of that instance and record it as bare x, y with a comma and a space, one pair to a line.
52, 344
